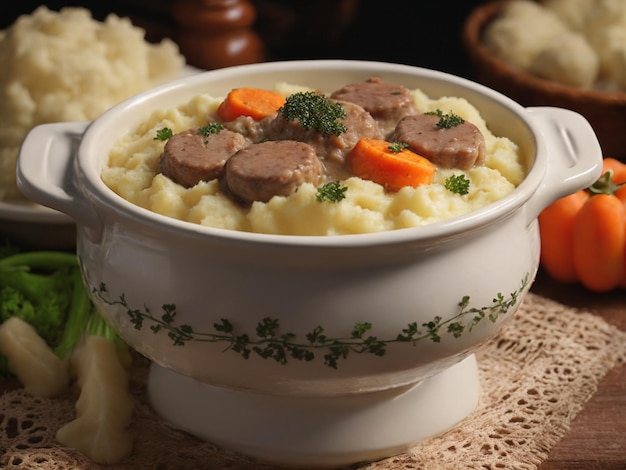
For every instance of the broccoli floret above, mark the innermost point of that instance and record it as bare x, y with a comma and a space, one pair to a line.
14, 304
47, 314
458, 184
332, 192
38, 288
46, 290
39, 293
315, 111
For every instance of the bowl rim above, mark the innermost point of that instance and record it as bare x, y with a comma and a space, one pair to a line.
117, 207
471, 34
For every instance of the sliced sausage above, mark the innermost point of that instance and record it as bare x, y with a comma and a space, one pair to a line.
462, 146
190, 157
271, 168
387, 103
333, 148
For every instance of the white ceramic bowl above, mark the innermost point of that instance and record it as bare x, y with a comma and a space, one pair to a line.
267, 327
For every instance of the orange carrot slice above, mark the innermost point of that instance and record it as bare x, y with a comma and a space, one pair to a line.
376, 160
256, 103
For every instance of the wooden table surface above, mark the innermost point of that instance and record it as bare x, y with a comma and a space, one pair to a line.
596, 439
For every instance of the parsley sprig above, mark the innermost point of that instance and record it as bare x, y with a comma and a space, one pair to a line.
397, 147
164, 134
447, 120
210, 129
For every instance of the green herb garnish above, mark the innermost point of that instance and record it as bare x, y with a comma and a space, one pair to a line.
331, 192
458, 184
315, 111
164, 134
397, 147
211, 128
448, 120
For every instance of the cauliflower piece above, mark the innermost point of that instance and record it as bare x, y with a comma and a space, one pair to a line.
619, 67
605, 29
576, 42
104, 407
605, 13
37, 367
521, 31
573, 13
610, 45
568, 59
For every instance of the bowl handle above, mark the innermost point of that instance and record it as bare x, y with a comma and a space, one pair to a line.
45, 172
574, 156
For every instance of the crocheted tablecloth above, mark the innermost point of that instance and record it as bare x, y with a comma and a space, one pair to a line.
537, 374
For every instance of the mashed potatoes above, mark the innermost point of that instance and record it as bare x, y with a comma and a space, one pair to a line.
65, 66
133, 173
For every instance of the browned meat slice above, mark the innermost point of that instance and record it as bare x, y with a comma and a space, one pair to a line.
460, 147
271, 168
386, 102
190, 157
333, 148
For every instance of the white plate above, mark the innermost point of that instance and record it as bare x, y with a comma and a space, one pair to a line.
31, 226
25, 211
35, 227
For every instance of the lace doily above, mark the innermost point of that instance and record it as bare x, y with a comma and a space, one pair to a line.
536, 376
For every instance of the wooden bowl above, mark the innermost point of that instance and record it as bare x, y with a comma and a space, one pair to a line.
605, 111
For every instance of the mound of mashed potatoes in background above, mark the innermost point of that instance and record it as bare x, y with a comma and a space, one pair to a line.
133, 173
66, 66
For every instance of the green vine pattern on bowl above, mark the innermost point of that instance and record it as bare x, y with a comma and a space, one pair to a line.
268, 342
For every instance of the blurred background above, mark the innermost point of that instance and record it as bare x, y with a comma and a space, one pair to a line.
429, 35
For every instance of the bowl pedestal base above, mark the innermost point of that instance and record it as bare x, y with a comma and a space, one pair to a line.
316, 432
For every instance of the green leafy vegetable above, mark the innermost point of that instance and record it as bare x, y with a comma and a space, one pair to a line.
458, 184
315, 111
164, 134
45, 289
397, 147
37, 287
448, 120
332, 192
